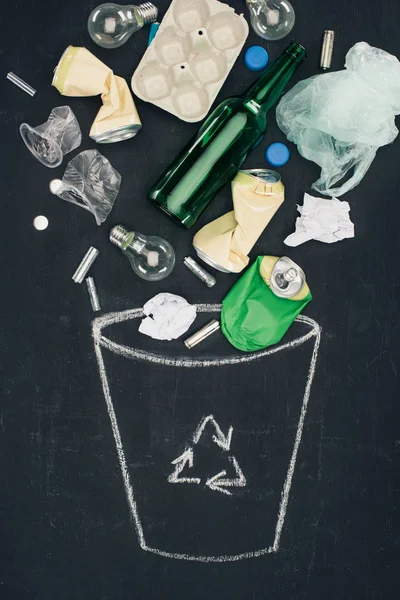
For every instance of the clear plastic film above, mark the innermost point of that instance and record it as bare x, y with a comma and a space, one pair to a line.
89, 181
339, 120
50, 141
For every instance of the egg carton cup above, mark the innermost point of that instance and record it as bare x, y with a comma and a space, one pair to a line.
192, 54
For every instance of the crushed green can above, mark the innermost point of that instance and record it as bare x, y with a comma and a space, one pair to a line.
253, 316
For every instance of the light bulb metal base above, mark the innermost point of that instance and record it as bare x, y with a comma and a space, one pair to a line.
121, 237
118, 235
148, 12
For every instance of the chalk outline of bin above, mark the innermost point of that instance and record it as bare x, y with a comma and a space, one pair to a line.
101, 341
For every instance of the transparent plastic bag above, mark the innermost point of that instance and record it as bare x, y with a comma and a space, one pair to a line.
89, 181
339, 120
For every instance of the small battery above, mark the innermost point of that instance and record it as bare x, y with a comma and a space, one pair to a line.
201, 273
93, 296
202, 334
327, 49
287, 278
85, 265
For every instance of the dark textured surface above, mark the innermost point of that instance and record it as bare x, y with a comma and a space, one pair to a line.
65, 526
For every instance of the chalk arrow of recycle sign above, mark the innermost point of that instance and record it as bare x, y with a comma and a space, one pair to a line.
218, 482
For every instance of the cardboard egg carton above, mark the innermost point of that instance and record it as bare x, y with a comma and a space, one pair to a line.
188, 61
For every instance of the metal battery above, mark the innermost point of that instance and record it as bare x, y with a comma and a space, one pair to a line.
287, 278
93, 296
327, 49
202, 334
85, 265
200, 273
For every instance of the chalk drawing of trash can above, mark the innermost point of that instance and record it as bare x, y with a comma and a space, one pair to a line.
207, 446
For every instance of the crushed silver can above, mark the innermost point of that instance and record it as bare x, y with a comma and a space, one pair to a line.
287, 278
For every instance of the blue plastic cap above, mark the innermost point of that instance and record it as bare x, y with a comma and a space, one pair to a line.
152, 32
256, 58
277, 154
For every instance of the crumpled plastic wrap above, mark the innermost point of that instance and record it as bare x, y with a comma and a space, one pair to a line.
339, 120
89, 181
50, 141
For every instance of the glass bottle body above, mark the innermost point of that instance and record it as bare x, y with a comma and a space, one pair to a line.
210, 159
225, 139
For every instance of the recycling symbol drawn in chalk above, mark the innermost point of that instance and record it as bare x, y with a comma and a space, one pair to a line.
218, 482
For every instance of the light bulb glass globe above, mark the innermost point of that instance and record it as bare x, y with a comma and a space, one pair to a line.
154, 261
110, 25
151, 257
271, 19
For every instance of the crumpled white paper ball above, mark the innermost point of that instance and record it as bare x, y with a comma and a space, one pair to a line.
322, 220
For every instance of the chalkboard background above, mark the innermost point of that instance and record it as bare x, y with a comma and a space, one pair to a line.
66, 530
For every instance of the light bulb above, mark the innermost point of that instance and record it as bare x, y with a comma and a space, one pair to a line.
111, 25
151, 257
271, 19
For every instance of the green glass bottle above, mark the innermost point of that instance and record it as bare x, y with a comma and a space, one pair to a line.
213, 157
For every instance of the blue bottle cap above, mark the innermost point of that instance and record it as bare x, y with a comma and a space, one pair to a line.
277, 154
152, 32
256, 58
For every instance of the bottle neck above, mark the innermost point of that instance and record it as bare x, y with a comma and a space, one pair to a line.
267, 89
